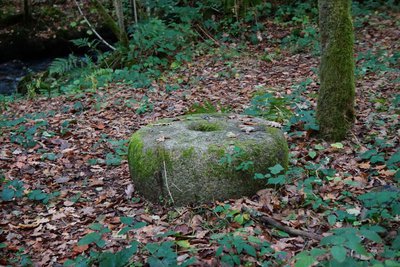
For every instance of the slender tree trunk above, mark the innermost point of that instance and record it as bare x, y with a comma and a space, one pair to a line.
335, 109
120, 15
109, 21
134, 10
27, 10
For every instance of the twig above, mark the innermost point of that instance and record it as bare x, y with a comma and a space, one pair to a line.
280, 226
166, 183
180, 190
208, 35
92, 28
355, 137
200, 35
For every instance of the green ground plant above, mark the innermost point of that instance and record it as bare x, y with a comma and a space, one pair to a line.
359, 224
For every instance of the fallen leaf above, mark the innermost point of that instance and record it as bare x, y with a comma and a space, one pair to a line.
129, 191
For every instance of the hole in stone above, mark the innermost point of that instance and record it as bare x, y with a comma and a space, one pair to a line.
204, 126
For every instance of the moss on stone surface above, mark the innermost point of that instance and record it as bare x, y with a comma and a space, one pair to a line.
186, 167
147, 163
205, 126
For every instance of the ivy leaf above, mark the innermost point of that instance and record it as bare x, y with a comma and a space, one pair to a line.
100, 243
319, 147
397, 176
239, 219
316, 252
37, 195
139, 225
337, 145
333, 240
339, 253
126, 220
250, 250
276, 169
394, 159
49, 156
396, 243
7, 194
183, 243
312, 154
278, 180
219, 251
332, 219
304, 260
108, 259
259, 176
368, 154
96, 226
377, 158
354, 243
113, 160
254, 239
89, 238
175, 65
371, 235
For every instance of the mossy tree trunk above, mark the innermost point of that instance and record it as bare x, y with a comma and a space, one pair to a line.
120, 33
120, 18
335, 109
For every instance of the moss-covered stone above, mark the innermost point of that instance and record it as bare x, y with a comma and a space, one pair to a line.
205, 126
173, 161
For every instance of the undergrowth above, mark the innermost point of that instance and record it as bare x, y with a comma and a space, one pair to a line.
361, 225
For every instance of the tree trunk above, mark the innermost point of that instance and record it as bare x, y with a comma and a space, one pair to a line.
109, 21
335, 109
120, 15
27, 10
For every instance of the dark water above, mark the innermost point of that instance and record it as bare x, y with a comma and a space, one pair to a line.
13, 71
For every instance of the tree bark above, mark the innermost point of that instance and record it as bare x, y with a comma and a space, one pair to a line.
27, 10
335, 108
109, 21
120, 15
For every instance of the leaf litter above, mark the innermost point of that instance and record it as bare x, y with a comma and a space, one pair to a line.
69, 155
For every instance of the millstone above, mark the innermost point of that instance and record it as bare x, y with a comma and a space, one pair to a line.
203, 158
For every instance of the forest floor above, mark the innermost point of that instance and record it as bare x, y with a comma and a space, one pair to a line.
70, 144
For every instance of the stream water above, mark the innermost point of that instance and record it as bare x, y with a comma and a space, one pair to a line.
11, 72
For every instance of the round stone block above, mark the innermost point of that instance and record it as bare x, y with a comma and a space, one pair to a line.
204, 157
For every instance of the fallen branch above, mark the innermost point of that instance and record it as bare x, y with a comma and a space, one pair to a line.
208, 35
92, 28
268, 220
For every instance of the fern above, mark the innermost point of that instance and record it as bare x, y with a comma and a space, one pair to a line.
84, 42
81, 42
99, 77
88, 60
100, 72
64, 65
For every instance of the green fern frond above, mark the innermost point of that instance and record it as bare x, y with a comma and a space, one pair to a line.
84, 42
81, 42
64, 65
100, 72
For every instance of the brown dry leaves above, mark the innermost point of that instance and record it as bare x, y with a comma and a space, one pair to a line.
97, 192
